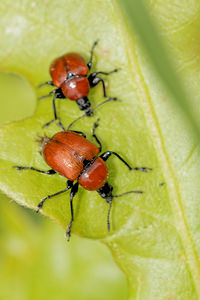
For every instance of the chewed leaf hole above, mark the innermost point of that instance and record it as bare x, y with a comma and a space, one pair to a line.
17, 98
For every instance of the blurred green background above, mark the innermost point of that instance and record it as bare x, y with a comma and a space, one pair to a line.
36, 261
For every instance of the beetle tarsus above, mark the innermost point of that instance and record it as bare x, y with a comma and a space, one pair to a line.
59, 124
48, 123
18, 168
46, 83
68, 232
96, 124
142, 169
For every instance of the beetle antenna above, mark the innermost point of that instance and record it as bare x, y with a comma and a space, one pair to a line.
107, 100
108, 216
72, 123
136, 192
45, 83
110, 204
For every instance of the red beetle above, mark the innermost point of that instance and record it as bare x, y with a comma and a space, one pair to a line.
71, 155
69, 74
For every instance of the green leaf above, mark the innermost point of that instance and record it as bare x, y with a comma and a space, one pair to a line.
158, 52
154, 236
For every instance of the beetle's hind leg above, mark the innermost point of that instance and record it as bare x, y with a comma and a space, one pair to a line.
69, 186
73, 192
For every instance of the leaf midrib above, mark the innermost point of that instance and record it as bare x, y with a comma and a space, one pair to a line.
162, 155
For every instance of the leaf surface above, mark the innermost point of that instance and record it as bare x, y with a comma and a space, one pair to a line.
155, 236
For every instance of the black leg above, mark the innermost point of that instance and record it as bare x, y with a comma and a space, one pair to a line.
58, 92
107, 154
91, 55
57, 95
79, 132
69, 186
54, 107
94, 74
46, 83
96, 80
54, 112
49, 95
60, 124
96, 124
74, 190
48, 172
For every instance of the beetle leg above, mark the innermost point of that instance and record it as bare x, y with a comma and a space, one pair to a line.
58, 95
47, 96
48, 172
94, 79
96, 124
79, 132
73, 192
46, 83
91, 55
69, 186
60, 124
54, 111
105, 73
107, 154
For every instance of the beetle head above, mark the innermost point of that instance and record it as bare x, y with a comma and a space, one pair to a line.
42, 141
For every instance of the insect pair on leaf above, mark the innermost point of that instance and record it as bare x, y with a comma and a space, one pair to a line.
69, 153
